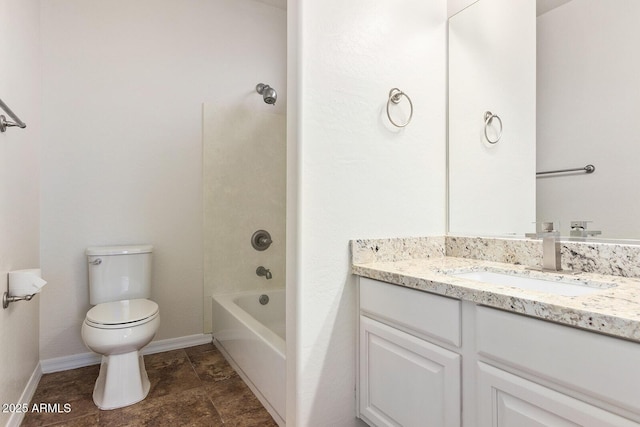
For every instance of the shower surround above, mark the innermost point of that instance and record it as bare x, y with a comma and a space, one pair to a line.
244, 184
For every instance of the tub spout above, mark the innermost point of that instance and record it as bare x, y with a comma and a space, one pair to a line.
261, 271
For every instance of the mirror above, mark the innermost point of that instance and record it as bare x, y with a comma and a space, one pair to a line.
587, 104
492, 49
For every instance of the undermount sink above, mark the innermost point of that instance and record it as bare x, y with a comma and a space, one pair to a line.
561, 286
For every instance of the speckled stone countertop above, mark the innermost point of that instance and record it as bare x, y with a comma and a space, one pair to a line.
613, 310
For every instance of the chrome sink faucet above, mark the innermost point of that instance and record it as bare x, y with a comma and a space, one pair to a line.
551, 258
579, 230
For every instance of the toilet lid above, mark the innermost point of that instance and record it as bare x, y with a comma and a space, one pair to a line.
121, 312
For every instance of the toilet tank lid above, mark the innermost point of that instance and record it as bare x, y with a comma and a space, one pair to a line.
119, 250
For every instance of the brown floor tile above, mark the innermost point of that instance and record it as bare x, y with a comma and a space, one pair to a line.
86, 421
232, 398
190, 387
163, 359
211, 366
68, 384
226, 390
186, 408
199, 349
170, 373
256, 418
73, 387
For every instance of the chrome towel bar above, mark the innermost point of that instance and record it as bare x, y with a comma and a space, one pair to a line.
4, 123
586, 169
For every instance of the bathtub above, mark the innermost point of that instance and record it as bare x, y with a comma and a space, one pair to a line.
252, 338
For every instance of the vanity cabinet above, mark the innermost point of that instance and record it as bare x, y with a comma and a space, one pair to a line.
424, 357
507, 400
405, 377
405, 380
534, 372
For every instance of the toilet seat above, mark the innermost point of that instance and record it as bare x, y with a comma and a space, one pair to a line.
122, 314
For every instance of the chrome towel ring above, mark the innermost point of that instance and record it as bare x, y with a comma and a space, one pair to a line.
394, 96
488, 118
4, 123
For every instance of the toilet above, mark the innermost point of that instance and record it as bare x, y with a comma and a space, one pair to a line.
122, 321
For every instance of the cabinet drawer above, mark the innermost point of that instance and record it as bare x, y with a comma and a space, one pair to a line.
415, 311
596, 365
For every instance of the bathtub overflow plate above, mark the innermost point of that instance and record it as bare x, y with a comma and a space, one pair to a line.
264, 299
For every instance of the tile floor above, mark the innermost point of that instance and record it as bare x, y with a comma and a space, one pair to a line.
194, 386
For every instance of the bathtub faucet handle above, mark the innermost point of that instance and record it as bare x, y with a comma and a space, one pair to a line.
261, 271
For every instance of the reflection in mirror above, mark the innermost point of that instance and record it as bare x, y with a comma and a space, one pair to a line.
587, 107
492, 69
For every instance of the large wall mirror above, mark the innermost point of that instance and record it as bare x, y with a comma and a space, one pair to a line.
562, 75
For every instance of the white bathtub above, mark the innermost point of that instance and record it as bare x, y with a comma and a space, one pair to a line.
252, 337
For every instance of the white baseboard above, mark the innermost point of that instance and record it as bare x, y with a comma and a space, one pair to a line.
65, 363
74, 361
177, 343
16, 418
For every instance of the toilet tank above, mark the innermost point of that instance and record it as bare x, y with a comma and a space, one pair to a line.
119, 272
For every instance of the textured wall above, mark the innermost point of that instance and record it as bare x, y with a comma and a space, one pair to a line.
19, 194
358, 176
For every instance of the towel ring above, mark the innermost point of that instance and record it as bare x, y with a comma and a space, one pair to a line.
488, 117
394, 96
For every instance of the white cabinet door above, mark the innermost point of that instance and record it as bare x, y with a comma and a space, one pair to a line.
406, 381
506, 400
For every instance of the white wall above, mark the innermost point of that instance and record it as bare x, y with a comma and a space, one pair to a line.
124, 83
357, 175
588, 109
492, 68
19, 193
455, 6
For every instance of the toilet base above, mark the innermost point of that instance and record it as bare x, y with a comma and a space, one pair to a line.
122, 381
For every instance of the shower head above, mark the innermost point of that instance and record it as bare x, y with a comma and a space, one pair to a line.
268, 93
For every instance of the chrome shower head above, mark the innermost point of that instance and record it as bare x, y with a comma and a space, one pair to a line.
268, 93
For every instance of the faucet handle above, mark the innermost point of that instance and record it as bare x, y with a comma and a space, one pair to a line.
261, 240
548, 227
544, 229
580, 224
579, 229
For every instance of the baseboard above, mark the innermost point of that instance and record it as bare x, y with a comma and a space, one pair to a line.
65, 363
16, 417
177, 343
74, 361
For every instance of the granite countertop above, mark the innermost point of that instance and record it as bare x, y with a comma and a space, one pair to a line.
614, 311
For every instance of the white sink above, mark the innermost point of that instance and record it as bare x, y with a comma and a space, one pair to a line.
557, 287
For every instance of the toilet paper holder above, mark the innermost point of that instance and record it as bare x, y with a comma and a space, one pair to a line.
7, 299
25, 284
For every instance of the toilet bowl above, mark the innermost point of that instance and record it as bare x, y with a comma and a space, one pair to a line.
122, 321
118, 330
